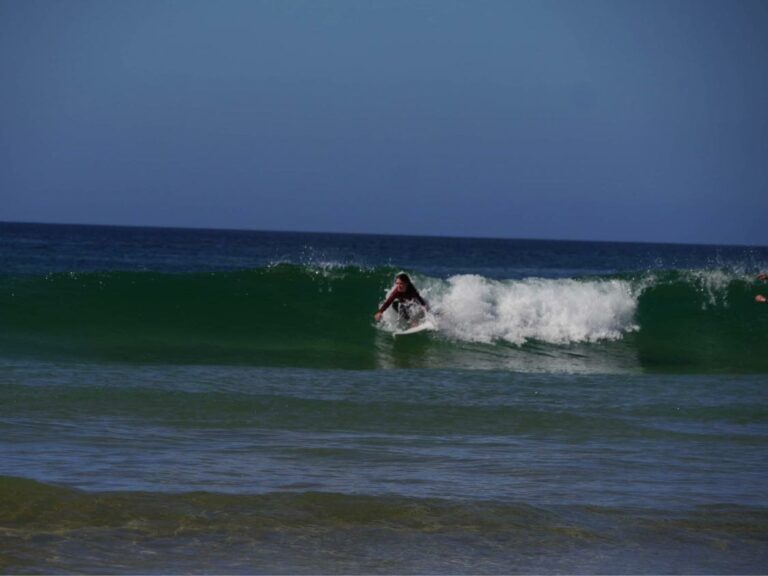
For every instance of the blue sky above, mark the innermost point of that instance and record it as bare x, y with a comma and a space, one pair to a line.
571, 119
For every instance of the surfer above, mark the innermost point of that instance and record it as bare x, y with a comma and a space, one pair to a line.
760, 297
401, 298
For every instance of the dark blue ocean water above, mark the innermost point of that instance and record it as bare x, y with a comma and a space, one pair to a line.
197, 401
42, 249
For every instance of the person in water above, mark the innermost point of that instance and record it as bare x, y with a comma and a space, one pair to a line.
401, 298
760, 297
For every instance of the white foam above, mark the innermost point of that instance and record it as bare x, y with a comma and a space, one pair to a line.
559, 311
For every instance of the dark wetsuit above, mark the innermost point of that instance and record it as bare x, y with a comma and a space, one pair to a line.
396, 298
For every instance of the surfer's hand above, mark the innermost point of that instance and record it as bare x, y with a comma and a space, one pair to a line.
377, 316
760, 298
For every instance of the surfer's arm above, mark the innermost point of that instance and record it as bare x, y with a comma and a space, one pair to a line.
386, 305
760, 298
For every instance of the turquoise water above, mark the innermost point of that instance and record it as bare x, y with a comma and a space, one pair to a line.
180, 401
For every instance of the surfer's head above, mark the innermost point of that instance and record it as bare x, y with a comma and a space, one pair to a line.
402, 282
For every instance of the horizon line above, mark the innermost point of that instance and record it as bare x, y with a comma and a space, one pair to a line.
273, 231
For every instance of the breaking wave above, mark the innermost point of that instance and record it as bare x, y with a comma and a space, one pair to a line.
322, 316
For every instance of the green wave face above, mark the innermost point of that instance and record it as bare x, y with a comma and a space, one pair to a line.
289, 315
283, 315
692, 322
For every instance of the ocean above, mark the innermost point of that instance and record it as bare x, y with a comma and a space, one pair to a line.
210, 401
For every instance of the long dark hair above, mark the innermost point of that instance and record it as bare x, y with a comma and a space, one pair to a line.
405, 278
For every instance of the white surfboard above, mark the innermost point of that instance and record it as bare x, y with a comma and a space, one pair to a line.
424, 326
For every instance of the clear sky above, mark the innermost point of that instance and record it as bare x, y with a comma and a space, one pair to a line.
637, 120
